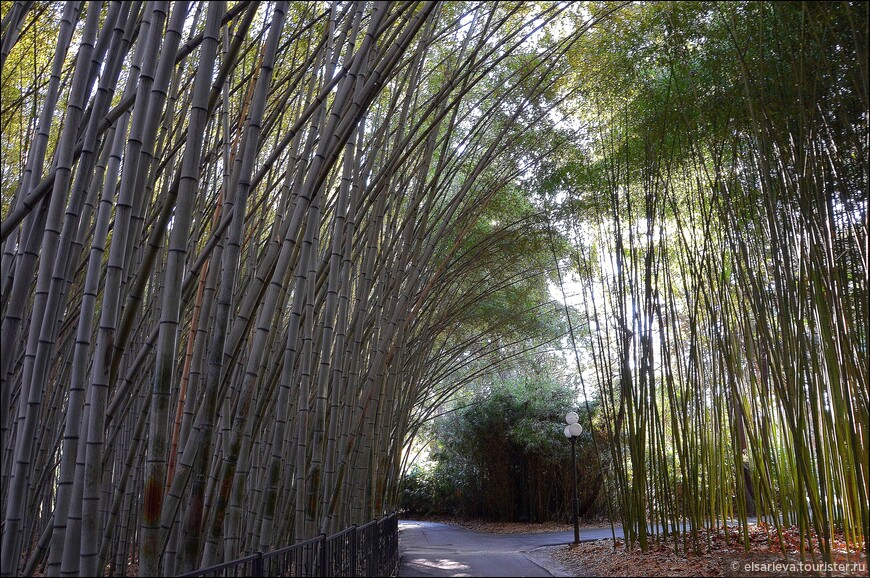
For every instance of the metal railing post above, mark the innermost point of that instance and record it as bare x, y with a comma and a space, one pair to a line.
324, 572
353, 547
394, 544
257, 566
382, 550
379, 527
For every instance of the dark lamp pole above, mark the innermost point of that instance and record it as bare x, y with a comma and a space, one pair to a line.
572, 432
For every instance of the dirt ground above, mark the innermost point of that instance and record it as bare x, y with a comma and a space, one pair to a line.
719, 553
601, 558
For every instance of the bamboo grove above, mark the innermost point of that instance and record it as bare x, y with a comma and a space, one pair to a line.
720, 274
248, 247
238, 242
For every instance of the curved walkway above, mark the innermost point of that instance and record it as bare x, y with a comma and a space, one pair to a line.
433, 549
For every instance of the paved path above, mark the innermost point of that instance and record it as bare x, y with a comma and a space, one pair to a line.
432, 549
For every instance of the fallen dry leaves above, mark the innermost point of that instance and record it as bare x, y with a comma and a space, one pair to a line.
719, 553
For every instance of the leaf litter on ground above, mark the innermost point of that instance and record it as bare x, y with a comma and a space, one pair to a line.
720, 552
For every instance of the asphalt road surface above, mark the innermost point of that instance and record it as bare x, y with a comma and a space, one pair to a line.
432, 549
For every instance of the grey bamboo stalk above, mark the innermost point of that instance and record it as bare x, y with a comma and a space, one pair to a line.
25, 262
155, 473
69, 247
42, 323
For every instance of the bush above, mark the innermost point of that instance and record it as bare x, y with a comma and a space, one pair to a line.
504, 457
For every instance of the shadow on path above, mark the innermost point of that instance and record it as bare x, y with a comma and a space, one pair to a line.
434, 549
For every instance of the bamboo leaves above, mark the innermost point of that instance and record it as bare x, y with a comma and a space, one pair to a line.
221, 295
720, 233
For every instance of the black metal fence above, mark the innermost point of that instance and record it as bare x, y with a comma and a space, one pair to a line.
369, 550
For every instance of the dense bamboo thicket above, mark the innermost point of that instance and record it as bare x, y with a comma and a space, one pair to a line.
720, 217
238, 239
249, 247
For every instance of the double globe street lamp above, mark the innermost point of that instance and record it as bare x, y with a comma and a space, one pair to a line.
572, 432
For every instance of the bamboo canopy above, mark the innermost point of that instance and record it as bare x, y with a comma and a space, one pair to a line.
245, 242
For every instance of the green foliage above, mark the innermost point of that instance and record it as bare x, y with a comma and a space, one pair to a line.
22, 89
502, 454
721, 184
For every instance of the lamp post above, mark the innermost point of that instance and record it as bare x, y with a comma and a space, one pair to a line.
572, 432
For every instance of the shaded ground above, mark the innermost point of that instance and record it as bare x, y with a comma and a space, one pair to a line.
438, 549
483, 548
719, 554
